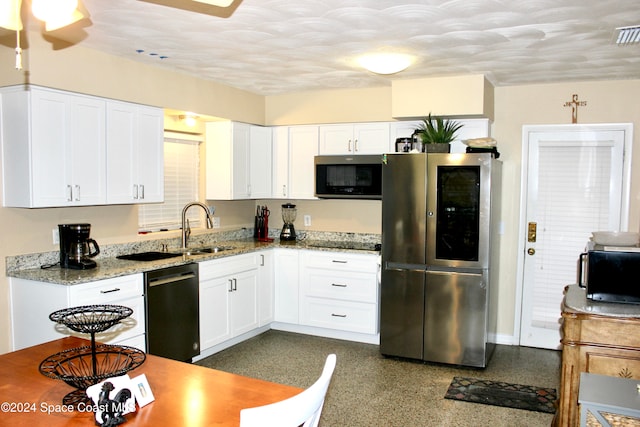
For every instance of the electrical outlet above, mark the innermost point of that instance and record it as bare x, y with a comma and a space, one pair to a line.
216, 222
56, 236
307, 220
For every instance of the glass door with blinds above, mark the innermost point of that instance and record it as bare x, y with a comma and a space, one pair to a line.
576, 183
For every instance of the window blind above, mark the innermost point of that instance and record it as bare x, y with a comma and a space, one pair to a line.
181, 184
570, 206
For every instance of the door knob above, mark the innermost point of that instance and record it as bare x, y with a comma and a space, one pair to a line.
531, 251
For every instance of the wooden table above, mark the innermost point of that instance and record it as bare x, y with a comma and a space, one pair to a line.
185, 394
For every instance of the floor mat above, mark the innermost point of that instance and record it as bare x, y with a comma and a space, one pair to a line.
499, 393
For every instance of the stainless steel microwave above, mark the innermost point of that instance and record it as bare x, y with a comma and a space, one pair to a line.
610, 276
348, 177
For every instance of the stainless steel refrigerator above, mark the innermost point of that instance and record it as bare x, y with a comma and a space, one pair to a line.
439, 238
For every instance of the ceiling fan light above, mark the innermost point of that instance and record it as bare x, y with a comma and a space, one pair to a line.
218, 3
385, 63
55, 13
10, 15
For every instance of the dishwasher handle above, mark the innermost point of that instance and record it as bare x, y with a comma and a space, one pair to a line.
171, 279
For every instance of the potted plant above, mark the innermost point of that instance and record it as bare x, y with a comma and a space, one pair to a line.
436, 133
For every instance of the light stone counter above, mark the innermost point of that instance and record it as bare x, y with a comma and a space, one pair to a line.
28, 266
576, 300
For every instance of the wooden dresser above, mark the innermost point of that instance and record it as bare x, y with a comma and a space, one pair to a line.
599, 338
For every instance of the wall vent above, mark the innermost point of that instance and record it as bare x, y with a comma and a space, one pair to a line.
628, 35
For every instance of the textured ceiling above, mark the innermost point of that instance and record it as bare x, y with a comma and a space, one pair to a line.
282, 46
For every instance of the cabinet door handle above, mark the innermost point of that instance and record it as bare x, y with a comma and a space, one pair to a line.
339, 285
69, 193
141, 191
135, 191
337, 261
235, 284
110, 290
261, 260
349, 145
230, 285
77, 198
284, 190
355, 145
338, 315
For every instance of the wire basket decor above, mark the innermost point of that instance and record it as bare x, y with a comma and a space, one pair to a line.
83, 367
91, 318
76, 366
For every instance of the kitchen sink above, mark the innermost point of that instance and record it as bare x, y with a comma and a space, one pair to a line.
155, 255
203, 251
148, 256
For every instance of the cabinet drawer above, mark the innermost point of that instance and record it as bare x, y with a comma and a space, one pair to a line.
613, 362
343, 286
341, 315
622, 332
341, 261
106, 291
230, 265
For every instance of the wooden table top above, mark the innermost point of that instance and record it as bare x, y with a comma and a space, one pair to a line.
185, 394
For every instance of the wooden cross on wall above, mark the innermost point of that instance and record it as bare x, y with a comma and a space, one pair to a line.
574, 104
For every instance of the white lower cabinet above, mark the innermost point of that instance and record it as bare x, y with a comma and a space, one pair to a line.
228, 298
32, 302
266, 290
339, 291
286, 263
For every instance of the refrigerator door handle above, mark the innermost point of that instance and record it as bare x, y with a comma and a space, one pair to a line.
456, 270
404, 266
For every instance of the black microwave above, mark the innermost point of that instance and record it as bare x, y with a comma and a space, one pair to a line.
610, 276
348, 177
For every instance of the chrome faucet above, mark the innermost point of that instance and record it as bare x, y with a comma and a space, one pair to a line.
186, 230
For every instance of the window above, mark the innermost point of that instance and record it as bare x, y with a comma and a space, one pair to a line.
181, 186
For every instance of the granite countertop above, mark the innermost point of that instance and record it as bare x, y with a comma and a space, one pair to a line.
109, 267
575, 300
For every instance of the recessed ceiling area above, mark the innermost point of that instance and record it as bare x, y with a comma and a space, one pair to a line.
272, 47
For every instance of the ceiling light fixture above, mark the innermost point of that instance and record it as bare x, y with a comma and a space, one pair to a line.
55, 14
385, 63
628, 35
188, 119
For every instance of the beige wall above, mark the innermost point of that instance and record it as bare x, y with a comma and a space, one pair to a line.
77, 69
607, 102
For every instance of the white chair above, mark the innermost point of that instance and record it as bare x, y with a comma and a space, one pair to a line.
302, 409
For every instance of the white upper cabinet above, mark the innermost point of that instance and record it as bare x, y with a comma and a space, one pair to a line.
238, 161
53, 146
260, 160
294, 149
356, 138
135, 153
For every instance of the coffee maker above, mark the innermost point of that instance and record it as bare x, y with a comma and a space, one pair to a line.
288, 232
75, 247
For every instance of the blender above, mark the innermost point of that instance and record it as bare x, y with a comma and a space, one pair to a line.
288, 232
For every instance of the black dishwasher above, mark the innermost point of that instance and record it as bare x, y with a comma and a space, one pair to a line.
172, 312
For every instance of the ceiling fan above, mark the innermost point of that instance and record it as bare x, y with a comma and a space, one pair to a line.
54, 15
219, 8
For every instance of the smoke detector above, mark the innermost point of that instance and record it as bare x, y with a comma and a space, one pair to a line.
628, 35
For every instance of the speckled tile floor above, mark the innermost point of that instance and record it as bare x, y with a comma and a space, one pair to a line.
370, 390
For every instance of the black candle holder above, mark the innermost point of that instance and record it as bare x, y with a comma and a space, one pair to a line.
83, 367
